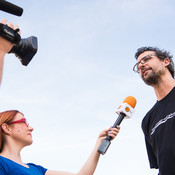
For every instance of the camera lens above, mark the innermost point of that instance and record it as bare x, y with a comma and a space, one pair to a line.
26, 49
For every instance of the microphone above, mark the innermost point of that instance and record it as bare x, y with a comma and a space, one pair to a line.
10, 8
125, 110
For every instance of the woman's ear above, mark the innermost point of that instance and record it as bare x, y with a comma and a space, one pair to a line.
5, 128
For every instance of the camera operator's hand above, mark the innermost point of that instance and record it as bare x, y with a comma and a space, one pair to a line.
5, 46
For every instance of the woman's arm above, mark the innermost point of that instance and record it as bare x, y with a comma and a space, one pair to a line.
91, 164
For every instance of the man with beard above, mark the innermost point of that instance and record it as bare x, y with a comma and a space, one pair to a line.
156, 68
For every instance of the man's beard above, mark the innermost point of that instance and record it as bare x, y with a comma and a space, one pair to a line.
153, 78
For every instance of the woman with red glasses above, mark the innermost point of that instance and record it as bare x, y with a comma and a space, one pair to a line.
15, 134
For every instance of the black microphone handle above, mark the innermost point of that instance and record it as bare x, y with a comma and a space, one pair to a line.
117, 123
10, 8
106, 142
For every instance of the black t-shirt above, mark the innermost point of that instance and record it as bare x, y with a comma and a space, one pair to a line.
159, 129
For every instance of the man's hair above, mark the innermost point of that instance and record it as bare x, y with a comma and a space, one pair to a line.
161, 54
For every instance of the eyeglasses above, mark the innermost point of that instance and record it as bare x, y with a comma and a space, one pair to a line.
142, 61
23, 120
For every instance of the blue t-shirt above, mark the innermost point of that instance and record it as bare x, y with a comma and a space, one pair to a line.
9, 167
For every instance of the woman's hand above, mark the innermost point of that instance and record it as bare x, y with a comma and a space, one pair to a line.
112, 132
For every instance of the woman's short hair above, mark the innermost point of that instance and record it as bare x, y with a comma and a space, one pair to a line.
6, 117
161, 54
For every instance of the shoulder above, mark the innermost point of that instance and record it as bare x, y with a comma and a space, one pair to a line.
150, 119
37, 167
4, 165
3, 160
148, 115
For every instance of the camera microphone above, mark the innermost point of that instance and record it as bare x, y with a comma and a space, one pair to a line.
125, 110
10, 8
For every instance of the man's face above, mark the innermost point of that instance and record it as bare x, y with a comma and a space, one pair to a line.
151, 68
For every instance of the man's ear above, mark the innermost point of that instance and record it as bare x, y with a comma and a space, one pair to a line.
166, 61
5, 128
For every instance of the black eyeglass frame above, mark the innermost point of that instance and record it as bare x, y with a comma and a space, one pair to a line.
142, 61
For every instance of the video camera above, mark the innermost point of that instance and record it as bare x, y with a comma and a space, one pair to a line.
25, 48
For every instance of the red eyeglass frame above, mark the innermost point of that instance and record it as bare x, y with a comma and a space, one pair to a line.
23, 120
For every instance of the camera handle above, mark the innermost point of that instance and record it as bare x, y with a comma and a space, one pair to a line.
9, 34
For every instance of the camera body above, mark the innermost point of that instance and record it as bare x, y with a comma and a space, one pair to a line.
24, 49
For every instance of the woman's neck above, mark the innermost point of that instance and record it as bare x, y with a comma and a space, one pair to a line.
12, 154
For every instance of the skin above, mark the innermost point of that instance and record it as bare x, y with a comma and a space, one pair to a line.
164, 81
5, 47
18, 135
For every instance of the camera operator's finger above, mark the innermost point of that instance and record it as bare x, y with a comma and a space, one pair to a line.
11, 25
4, 21
16, 27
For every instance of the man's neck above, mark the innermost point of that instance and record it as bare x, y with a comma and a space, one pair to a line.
164, 87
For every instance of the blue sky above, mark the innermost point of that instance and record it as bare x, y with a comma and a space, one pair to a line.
81, 73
